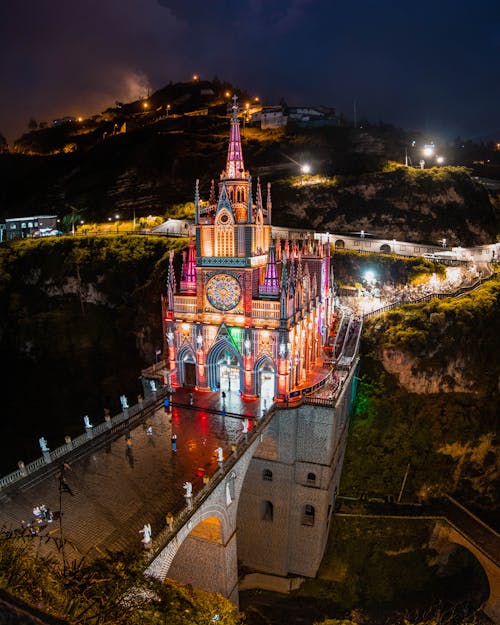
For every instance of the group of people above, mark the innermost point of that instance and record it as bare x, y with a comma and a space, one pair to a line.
41, 515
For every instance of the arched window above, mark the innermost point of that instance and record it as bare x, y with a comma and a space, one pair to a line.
311, 478
267, 474
308, 515
224, 234
266, 510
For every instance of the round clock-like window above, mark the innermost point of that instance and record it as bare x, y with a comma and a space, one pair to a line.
223, 291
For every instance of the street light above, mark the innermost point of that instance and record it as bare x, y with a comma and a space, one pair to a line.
306, 168
439, 160
428, 151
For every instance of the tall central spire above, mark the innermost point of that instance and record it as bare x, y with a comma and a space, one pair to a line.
234, 165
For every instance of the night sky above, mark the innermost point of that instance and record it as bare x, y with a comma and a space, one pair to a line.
432, 66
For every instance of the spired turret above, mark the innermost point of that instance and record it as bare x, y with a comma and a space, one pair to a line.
249, 313
235, 168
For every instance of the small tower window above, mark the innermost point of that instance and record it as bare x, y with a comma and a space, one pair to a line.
311, 478
267, 474
267, 510
308, 515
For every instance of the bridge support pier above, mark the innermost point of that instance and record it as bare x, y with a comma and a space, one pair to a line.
207, 564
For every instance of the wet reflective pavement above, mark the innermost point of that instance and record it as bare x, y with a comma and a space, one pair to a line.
136, 478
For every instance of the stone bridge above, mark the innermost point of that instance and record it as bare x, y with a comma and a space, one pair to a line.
268, 503
454, 525
201, 548
462, 527
279, 484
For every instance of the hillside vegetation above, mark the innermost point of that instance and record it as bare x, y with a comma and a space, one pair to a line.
134, 160
447, 438
80, 318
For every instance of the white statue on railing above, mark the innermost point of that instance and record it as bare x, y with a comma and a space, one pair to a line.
86, 420
188, 487
152, 384
245, 426
220, 454
43, 444
124, 402
146, 531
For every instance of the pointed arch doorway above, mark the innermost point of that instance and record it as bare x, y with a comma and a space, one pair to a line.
266, 379
229, 373
188, 368
224, 368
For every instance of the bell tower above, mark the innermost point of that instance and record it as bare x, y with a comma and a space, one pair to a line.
250, 315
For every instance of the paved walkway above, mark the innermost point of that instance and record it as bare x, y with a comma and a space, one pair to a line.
122, 486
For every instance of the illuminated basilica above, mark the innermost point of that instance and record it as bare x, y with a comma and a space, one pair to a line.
249, 314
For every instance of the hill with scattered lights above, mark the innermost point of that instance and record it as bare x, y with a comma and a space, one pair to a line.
143, 158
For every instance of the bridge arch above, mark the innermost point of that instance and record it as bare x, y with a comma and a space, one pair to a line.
385, 248
339, 244
203, 551
444, 535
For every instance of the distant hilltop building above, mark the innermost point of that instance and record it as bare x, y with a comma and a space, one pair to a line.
270, 117
249, 314
28, 227
282, 115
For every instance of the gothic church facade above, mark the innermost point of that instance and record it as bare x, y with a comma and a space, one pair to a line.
249, 314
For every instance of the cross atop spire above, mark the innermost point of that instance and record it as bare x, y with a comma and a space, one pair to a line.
234, 165
235, 108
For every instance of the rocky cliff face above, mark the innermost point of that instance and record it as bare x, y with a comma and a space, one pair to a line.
404, 204
411, 375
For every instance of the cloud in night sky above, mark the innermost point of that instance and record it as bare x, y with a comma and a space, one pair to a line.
432, 66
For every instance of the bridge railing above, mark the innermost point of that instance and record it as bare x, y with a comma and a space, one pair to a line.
182, 516
473, 530
111, 427
460, 292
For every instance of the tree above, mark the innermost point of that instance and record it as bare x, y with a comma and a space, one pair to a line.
3, 144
